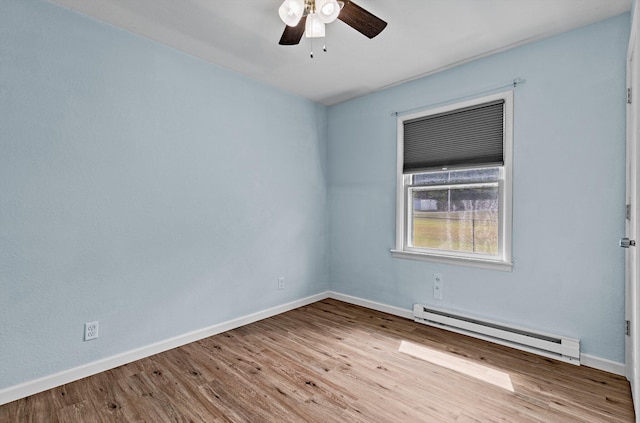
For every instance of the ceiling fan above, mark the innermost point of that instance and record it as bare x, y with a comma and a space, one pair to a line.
310, 17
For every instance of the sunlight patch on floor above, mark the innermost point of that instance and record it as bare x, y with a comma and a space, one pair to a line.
460, 365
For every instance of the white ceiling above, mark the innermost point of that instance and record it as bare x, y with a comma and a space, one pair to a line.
422, 37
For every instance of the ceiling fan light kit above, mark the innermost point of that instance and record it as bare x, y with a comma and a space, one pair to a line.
291, 12
314, 28
328, 10
310, 16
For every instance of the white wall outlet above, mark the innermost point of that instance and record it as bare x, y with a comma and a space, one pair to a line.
281, 282
437, 286
90, 330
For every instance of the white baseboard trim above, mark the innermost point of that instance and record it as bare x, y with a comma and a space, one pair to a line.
585, 359
396, 311
603, 364
26, 389
32, 387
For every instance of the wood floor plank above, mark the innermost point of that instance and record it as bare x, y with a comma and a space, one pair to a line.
332, 361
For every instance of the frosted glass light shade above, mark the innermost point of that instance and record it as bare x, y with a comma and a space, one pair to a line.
328, 10
291, 11
314, 27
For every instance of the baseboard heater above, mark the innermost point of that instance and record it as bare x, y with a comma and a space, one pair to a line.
545, 344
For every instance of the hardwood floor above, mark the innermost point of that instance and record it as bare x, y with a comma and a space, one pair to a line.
334, 362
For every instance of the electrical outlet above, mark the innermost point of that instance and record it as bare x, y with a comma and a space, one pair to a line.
437, 286
90, 330
280, 283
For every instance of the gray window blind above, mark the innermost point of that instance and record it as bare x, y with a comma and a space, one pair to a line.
462, 137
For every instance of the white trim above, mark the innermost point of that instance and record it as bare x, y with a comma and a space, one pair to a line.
26, 389
396, 311
400, 205
603, 364
32, 387
460, 261
632, 195
635, 15
503, 262
585, 359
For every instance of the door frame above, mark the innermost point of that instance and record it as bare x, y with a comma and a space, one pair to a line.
632, 255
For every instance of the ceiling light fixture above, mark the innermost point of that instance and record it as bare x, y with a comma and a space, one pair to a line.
317, 13
311, 16
314, 27
291, 11
328, 10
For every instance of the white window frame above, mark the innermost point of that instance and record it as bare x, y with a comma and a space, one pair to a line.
503, 261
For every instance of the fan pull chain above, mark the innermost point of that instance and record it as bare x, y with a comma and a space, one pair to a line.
324, 46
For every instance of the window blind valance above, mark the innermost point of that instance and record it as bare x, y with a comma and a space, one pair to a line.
470, 136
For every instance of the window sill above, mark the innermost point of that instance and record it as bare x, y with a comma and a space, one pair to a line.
469, 262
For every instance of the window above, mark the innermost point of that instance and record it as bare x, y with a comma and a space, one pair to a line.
454, 183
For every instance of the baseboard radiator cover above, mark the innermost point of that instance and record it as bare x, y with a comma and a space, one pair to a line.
545, 344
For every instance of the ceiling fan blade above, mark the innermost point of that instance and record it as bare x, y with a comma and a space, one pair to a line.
361, 20
292, 35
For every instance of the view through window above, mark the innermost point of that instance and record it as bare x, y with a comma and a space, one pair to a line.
455, 210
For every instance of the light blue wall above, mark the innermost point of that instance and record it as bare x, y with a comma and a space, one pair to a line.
159, 194
143, 188
568, 206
